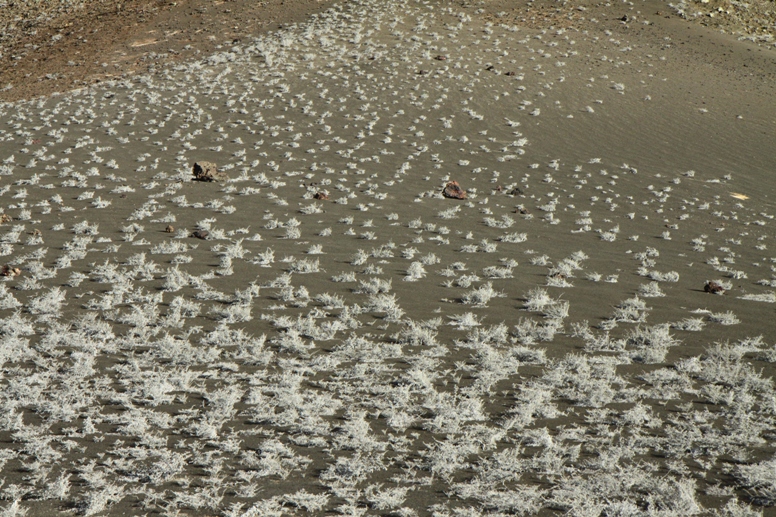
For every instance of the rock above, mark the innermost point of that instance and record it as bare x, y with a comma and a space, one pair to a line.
5, 218
207, 171
200, 234
454, 191
169, 229
322, 196
713, 287
517, 191
10, 271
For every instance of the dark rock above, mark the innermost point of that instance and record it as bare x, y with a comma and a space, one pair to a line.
323, 196
200, 234
517, 191
713, 287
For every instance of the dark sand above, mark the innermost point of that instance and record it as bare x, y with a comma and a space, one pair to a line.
384, 350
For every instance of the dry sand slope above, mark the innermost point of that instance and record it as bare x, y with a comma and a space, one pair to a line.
342, 339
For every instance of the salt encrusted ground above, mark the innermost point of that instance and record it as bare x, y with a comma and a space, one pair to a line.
387, 351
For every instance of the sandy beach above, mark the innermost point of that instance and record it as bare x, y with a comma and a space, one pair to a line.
456, 259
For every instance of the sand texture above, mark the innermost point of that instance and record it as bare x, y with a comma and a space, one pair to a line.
321, 325
49, 46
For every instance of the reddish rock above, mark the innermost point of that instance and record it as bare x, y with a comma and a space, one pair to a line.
454, 191
323, 196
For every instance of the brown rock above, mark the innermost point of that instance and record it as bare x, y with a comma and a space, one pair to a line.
207, 171
454, 191
323, 196
713, 287
5, 218
170, 228
10, 271
200, 234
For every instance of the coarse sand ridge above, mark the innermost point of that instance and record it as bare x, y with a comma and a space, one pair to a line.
319, 330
